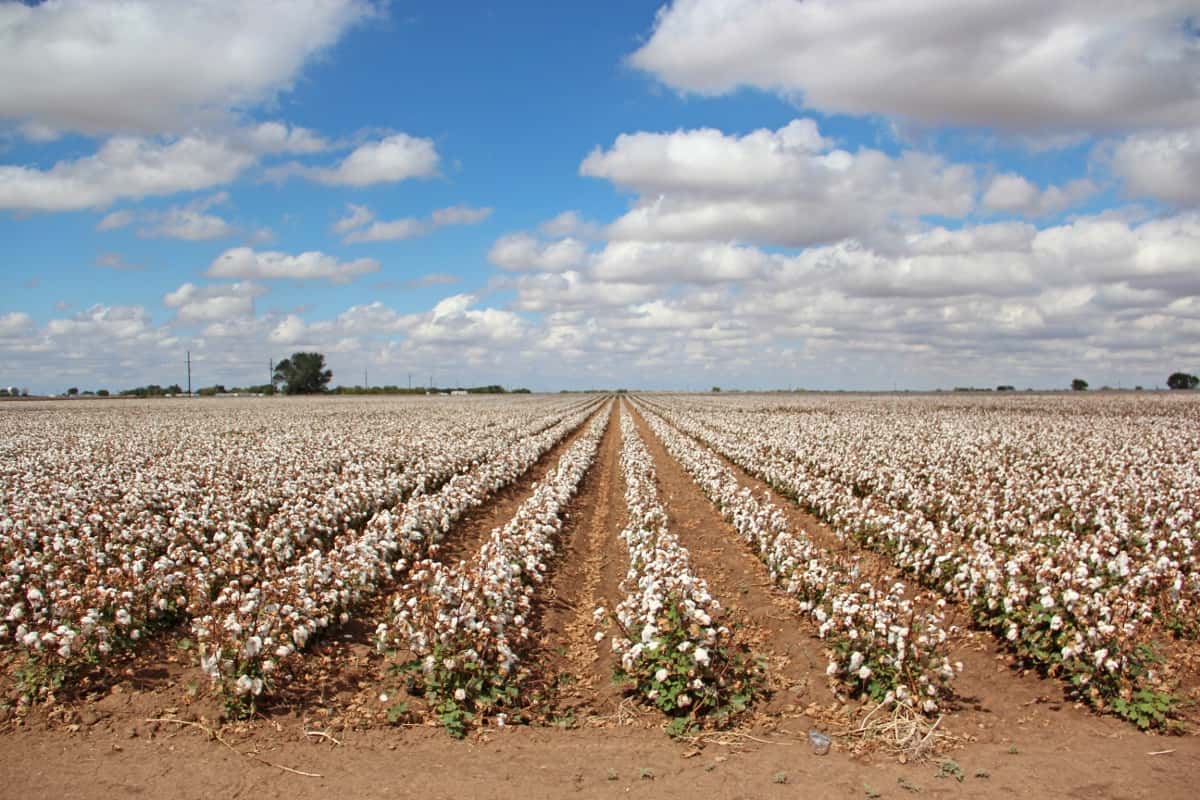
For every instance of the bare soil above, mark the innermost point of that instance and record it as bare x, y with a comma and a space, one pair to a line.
1013, 735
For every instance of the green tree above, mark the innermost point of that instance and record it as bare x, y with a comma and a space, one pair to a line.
1079, 385
303, 373
1181, 380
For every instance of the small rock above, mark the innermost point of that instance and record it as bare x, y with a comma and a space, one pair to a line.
90, 717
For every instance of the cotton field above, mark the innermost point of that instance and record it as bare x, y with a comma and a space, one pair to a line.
257, 536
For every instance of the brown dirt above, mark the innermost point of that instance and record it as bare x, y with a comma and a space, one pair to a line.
1014, 735
577, 669
767, 618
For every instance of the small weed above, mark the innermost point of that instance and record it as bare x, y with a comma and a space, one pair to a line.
646, 774
779, 777
982, 773
871, 794
1147, 709
611, 775
1012, 751
397, 712
908, 785
950, 769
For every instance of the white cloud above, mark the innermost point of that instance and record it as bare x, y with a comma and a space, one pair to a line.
103, 322
1164, 166
455, 320
1018, 65
244, 262
786, 187
115, 219
213, 303
520, 251
290, 330
570, 224
15, 324
573, 290
675, 262
1013, 193
355, 224
278, 137
116, 261
390, 230
395, 158
100, 66
356, 217
459, 215
189, 222
124, 167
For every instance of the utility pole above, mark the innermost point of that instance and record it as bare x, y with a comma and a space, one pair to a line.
410, 381
189, 369
271, 372
366, 385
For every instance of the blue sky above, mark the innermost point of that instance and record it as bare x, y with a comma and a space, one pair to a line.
750, 193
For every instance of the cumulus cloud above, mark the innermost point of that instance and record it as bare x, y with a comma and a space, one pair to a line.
1016, 65
521, 251
245, 262
1013, 193
1163, 166
216, 303
571, 224
788, 186
98, 66
124, 168
455, 320
15, 324
395, 158
114, 220
675, 262
359, 225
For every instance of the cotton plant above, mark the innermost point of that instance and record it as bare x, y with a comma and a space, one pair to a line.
673, 645
465, 626
128, 521
1004, 509
882, 645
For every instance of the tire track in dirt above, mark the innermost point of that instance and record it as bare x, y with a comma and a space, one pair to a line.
770, 622
588, 575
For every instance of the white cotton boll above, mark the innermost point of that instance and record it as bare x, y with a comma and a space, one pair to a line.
864, 673
683, 701
460, 694
701, 656
662, 675
832, 669
252, 647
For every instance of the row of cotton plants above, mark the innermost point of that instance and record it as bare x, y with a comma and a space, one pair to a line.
132, 515
882, 645
249, 631
1068, 528
461, 628
673, 644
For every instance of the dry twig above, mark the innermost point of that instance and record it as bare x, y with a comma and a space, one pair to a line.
212, 734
